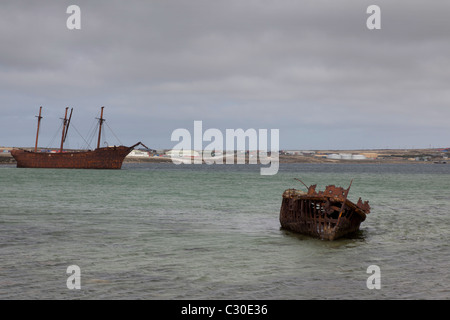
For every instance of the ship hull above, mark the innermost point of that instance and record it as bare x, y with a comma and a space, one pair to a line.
306, 216
326, 215
101, 158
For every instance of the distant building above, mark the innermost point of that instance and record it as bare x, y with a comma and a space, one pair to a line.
346, 156
291, 152
358, 157
183, 153
298, 152
138, 154
334, 156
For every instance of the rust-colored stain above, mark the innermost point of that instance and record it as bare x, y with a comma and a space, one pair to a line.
324, 214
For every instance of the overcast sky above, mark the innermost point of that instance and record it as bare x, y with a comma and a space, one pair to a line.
311, 69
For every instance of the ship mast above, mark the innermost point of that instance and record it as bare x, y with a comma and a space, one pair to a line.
63, 130
100, 122
66, 123
37, 133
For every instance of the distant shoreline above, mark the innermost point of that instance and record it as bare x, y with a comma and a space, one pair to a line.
289, 159
380, 156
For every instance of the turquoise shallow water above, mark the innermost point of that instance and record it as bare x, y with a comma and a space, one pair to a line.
161, 231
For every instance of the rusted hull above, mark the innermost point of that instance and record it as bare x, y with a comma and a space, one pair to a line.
321, 216
102, 158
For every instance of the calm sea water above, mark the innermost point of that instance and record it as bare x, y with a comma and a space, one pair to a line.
161, 231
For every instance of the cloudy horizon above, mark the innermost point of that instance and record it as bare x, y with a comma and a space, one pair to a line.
311, 69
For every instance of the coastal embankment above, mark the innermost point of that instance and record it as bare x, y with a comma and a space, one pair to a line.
438, 155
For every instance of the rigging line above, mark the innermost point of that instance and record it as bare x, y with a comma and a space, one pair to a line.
56, 133
113, 133
93, 134
104, 136
67, 144
92, 130
95, 125
87, 144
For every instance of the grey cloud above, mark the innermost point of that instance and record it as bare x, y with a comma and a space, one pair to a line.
293, 65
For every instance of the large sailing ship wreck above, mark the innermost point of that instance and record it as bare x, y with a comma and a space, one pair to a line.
327, 215
100, 158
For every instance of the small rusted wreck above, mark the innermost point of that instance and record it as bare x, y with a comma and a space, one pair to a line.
327, 214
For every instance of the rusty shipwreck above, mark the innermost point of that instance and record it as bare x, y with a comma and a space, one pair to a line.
327, 215
99, 158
